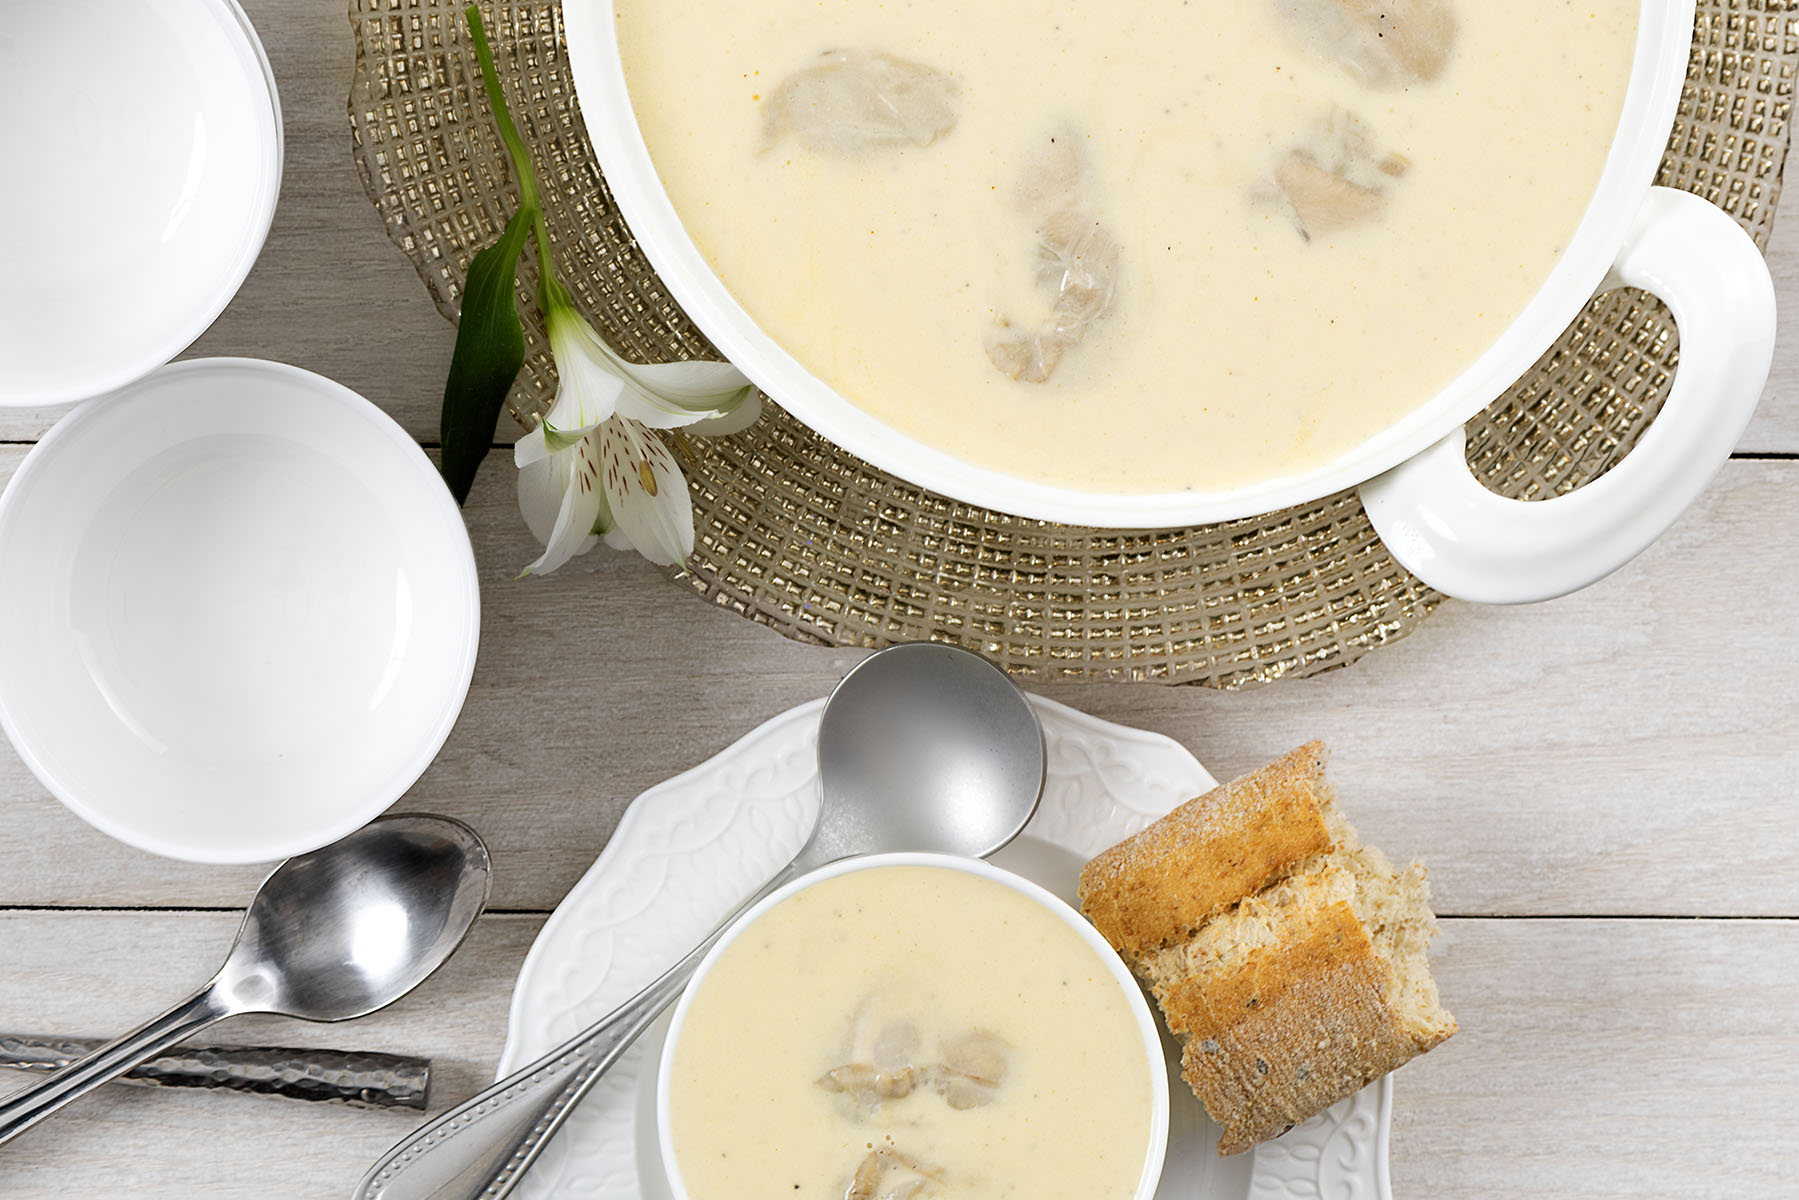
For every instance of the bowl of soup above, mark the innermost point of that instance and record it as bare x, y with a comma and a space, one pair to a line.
1191, 263
912, 1025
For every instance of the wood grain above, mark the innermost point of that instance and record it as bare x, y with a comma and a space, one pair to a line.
99, 974
1605, 1059
1624, 750
1590, 1062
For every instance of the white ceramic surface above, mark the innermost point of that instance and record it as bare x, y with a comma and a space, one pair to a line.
238, 611
1659, 69
143, 147
1460, 538
690, 849
1062, 910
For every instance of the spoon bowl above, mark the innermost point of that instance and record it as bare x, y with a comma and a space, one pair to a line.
333, 934
346, 930
926, 748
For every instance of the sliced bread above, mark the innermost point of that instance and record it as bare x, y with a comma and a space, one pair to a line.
1297, 982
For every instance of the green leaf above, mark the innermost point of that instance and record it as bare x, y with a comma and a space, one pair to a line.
490, 349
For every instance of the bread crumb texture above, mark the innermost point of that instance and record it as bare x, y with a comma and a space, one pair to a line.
1288, 957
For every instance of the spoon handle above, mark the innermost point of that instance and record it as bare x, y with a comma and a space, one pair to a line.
480, 1149
21, 1112
355, 1078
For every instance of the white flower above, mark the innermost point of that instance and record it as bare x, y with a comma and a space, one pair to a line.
619, 484
593, 470
594, 383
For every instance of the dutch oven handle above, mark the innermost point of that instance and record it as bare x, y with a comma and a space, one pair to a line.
1458, 537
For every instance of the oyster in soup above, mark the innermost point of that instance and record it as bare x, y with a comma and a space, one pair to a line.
1382, 43
854, 102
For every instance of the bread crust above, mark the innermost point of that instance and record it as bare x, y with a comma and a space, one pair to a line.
1162, 884
1289, 1029
1286, 955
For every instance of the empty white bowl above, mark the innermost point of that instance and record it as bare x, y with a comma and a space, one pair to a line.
238, 611
143, 157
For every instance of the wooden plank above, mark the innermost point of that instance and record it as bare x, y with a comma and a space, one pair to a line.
1607, 1058
97, 974
1775, 428
1590, 1061
1624, 750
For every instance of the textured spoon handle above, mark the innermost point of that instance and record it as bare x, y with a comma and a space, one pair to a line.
19, 1113
481, 1148
356, 1078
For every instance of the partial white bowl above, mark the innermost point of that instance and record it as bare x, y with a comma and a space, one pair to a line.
238, 611
1133, 995
143, 158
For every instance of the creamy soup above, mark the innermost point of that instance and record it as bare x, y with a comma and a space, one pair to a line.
1139, 247
909, 1032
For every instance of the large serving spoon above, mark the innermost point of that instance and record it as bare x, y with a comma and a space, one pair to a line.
920, 747
330, 935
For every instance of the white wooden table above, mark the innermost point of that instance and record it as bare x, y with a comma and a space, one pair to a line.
1606, 789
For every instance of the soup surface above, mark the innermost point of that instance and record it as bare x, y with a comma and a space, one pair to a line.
1133, 248
913, 1032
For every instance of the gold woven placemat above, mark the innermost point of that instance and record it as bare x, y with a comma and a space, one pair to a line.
800, 535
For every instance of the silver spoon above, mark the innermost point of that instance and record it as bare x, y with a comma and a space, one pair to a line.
920, 747
330, 935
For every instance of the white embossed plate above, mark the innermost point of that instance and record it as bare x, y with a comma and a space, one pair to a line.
689, 850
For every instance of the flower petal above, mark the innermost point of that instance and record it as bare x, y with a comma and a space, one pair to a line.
736, 420
693, 385
530, 449
588, 386
669, 395
542, 485
646, 492
594, 382
569, 480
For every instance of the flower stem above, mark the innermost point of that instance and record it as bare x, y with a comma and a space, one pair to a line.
530, 200
546, 270
515, 145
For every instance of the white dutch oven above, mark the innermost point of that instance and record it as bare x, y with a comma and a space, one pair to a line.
1415, 482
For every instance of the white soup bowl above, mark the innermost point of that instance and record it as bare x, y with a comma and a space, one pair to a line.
1153, 1058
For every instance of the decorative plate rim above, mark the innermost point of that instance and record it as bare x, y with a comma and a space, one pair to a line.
1341, 1153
